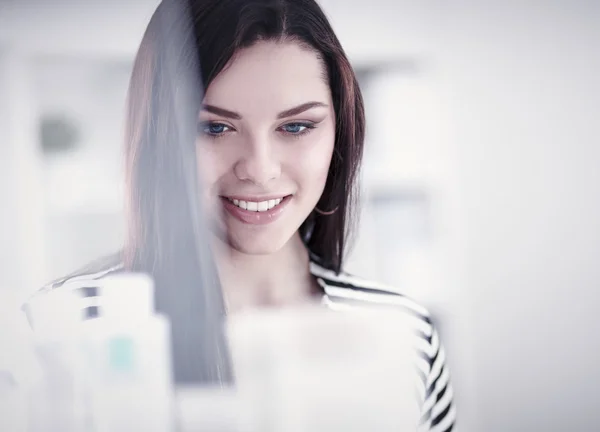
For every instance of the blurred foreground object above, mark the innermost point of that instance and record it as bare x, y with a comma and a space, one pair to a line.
208, 408
303, 368
129, 356
19, 367
312, 369
105, 374
56, 401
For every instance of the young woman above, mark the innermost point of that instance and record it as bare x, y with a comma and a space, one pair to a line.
266, 160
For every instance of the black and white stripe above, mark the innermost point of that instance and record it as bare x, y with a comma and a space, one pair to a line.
341, 292
435, 390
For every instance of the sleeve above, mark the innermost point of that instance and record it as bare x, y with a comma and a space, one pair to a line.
438, 411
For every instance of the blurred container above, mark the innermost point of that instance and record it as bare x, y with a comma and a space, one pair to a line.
129, 356
208, 409
312, 369
13, 412
19, 367
57, 401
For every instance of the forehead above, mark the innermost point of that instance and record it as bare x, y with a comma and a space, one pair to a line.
270, 77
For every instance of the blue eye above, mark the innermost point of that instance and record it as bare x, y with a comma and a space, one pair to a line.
297, 128
293, 128
213, 129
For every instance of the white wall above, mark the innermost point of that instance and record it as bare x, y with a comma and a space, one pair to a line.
22, 235
92, 28
83, 188
522, 87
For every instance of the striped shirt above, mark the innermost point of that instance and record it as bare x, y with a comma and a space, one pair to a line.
341, 292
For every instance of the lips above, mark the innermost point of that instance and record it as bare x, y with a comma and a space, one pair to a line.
257, 211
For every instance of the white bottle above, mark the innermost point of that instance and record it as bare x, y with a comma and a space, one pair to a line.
312, 369
56, 401
19, 367
129, 357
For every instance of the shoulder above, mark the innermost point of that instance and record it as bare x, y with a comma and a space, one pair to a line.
85, 280
93, 271
344, 291
348, 289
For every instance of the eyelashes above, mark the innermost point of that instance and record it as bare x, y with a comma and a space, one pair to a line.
297, 129
215, 129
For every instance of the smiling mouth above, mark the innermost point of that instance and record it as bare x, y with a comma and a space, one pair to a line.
256, 206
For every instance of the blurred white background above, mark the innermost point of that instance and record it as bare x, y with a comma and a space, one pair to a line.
479, 184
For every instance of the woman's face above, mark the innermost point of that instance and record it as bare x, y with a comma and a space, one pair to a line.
266, 137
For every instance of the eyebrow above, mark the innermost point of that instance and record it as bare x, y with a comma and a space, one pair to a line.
221, 112
300, 109
287, 113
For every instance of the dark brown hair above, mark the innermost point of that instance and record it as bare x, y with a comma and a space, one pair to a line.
188, 43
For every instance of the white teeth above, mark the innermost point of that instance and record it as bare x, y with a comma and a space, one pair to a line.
256, 206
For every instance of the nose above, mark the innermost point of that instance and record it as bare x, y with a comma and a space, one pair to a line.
259, 164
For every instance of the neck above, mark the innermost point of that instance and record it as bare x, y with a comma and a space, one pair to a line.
277, 279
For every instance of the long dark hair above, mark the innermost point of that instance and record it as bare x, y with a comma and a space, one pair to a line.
186, 44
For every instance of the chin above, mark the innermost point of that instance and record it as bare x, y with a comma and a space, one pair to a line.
251, 240
254, 247
262, 241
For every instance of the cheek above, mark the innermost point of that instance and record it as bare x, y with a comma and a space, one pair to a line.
207, 171
211, 169
211, 165
312, 166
